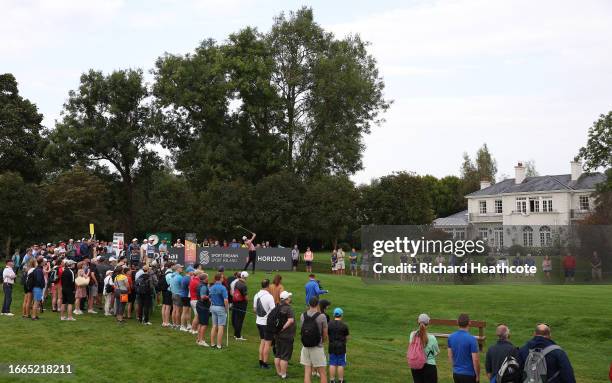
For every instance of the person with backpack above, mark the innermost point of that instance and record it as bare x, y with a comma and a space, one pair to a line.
338, 335
263, 303
55, 278
543, 360
422, 351
121, 290
503, 354
145, 289
68, 287
240, 301
313, 334
107, 292
463, 353
281, 323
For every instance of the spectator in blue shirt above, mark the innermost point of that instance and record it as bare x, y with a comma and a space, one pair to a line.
185, 304
313, 289
558, 367
463, 353
219, 304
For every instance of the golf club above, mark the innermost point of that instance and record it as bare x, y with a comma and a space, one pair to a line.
244, 228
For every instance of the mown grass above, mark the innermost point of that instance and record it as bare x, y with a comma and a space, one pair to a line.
380, 317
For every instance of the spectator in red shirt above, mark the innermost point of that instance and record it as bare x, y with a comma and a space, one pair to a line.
194, 285
569, 266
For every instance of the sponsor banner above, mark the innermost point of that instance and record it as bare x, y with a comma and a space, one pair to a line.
191, 244
234, 259
118, 242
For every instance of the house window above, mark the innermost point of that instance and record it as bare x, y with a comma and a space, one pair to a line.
498, 206
498, 237
547, 204
521, 205
459, 234
482, 205
527, 236
483, 233
545, 236
584, 202
534, 205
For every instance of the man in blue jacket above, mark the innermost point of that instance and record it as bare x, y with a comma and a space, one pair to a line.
558, 367
313, 289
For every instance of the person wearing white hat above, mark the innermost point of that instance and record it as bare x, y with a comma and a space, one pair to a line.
429, 343
240, 301
284, 338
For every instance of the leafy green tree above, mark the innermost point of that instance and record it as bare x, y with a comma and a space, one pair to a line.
397, 199
107, 120
530, 169
73, 200
21, 132
331, 207
486, 164
22, 215
223, 205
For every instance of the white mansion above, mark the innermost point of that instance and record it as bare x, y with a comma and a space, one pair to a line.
527, 211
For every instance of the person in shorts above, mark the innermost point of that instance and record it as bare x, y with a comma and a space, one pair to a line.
218, 308
295, 257
313, 357
284, 339
308, 258
338, 335
174, 280
353, 262
203, 309
263, 303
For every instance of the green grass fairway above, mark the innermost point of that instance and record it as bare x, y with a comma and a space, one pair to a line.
379, 316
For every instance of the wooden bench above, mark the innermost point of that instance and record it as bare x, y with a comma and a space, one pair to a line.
480, 325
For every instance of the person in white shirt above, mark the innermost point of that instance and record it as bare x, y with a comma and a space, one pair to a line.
263, 303
108, 295
8, 280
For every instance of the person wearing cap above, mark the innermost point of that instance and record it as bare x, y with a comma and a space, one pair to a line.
252, 252
240, 303
143, 251
185, 301
194, 294
203, 308
174, 281
134, 252
283, 349
313, 357
107, 292
338, 335
429, 372
68, 287
8, 280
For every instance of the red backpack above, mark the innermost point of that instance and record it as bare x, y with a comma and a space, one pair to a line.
415, 354
237, 296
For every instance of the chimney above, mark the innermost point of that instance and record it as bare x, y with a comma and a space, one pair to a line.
484, 184
519, 173
576, 169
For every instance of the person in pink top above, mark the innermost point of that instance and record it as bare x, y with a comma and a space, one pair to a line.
252, 252
308, 258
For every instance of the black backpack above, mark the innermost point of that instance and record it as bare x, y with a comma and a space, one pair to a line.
276, 320
143, 285
311, 336
54, 275
30, 280
259, 309
162, 284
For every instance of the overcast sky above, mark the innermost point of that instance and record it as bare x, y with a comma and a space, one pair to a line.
526, 77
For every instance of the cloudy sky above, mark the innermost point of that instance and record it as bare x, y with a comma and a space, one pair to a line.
526, 77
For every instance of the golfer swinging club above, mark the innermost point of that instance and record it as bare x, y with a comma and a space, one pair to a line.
252, 252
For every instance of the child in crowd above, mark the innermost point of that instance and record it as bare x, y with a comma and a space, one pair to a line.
338, 335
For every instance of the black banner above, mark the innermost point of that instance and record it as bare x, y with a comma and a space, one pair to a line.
235, 258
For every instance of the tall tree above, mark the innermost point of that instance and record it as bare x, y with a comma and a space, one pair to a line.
331, 94
530, 169
21, 139
107, 120
486, 164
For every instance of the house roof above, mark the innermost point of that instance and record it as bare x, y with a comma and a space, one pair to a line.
457, 219
542, 183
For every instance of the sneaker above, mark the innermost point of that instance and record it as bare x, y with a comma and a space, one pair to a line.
202, 343
188, 328
193, 332
62, 318
265, 366
213, 345
92, 312
218, 347
8, 314
72, 319
241, 338
148, 324
184, 329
